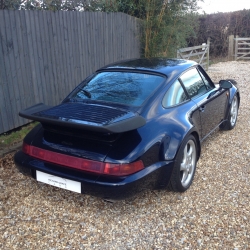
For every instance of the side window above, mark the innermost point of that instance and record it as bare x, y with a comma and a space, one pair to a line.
175, 95
206, 82
193, 83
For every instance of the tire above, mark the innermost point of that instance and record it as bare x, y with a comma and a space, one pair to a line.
232, 117
185, 166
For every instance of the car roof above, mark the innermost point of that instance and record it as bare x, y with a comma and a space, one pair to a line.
166, 66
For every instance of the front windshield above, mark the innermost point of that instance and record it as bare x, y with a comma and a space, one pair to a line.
119, 87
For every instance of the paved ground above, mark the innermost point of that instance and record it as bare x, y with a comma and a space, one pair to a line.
213, 214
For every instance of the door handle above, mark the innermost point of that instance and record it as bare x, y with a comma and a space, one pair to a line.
202, 108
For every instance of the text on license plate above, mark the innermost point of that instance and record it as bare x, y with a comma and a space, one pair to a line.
57, 181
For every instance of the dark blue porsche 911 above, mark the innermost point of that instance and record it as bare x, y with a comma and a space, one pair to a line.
131, 126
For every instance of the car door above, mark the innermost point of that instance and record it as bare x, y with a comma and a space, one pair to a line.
211, 101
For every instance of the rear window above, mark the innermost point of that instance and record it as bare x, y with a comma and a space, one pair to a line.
119, 87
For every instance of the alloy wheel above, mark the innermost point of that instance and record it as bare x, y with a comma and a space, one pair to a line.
234, 111
188, 163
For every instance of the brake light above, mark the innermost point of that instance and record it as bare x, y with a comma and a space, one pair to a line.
123, 169
83, 164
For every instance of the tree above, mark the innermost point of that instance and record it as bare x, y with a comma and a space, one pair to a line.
53, 5
10, 4
166, 24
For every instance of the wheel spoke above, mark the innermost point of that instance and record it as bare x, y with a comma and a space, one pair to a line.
231, 111
184, 176
183, 167
191, 167
190, 151
185, 153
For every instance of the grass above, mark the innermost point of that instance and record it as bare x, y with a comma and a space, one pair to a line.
15, 136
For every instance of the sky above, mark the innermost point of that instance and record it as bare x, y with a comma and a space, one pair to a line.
214, 6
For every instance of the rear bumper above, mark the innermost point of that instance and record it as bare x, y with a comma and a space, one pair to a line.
154, 176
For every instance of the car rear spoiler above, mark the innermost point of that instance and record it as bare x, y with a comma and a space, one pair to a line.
93, 117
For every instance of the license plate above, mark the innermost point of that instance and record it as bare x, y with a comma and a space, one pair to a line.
57, 181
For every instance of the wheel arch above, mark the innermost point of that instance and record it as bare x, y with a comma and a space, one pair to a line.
196, 136
238, 95
165, 143
234, 92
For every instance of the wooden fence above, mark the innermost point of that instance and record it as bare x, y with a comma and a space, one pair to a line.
44, 55
200, 54
238, 48
242, 48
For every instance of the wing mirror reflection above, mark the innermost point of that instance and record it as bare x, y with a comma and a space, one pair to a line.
224, 84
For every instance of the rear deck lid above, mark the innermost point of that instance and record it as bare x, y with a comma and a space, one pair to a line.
93, 117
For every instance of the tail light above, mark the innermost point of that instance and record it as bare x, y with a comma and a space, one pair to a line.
83, 164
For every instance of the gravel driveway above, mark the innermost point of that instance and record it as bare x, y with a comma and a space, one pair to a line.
213, 214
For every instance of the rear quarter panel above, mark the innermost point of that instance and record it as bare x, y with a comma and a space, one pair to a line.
160, 138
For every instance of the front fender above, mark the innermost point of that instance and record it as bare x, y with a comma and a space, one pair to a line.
232, 92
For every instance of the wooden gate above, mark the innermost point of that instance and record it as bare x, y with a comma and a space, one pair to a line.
242, 48
199, 54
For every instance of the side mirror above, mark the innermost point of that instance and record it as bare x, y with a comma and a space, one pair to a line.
224, 84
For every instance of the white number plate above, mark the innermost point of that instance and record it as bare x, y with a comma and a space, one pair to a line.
60, 182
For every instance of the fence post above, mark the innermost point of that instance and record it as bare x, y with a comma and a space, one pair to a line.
236, 48
178, 53
231, 48
208, 44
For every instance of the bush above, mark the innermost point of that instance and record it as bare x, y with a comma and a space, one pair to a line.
218, 27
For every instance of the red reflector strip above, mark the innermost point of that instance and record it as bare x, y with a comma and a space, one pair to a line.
64, 160
83, 164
